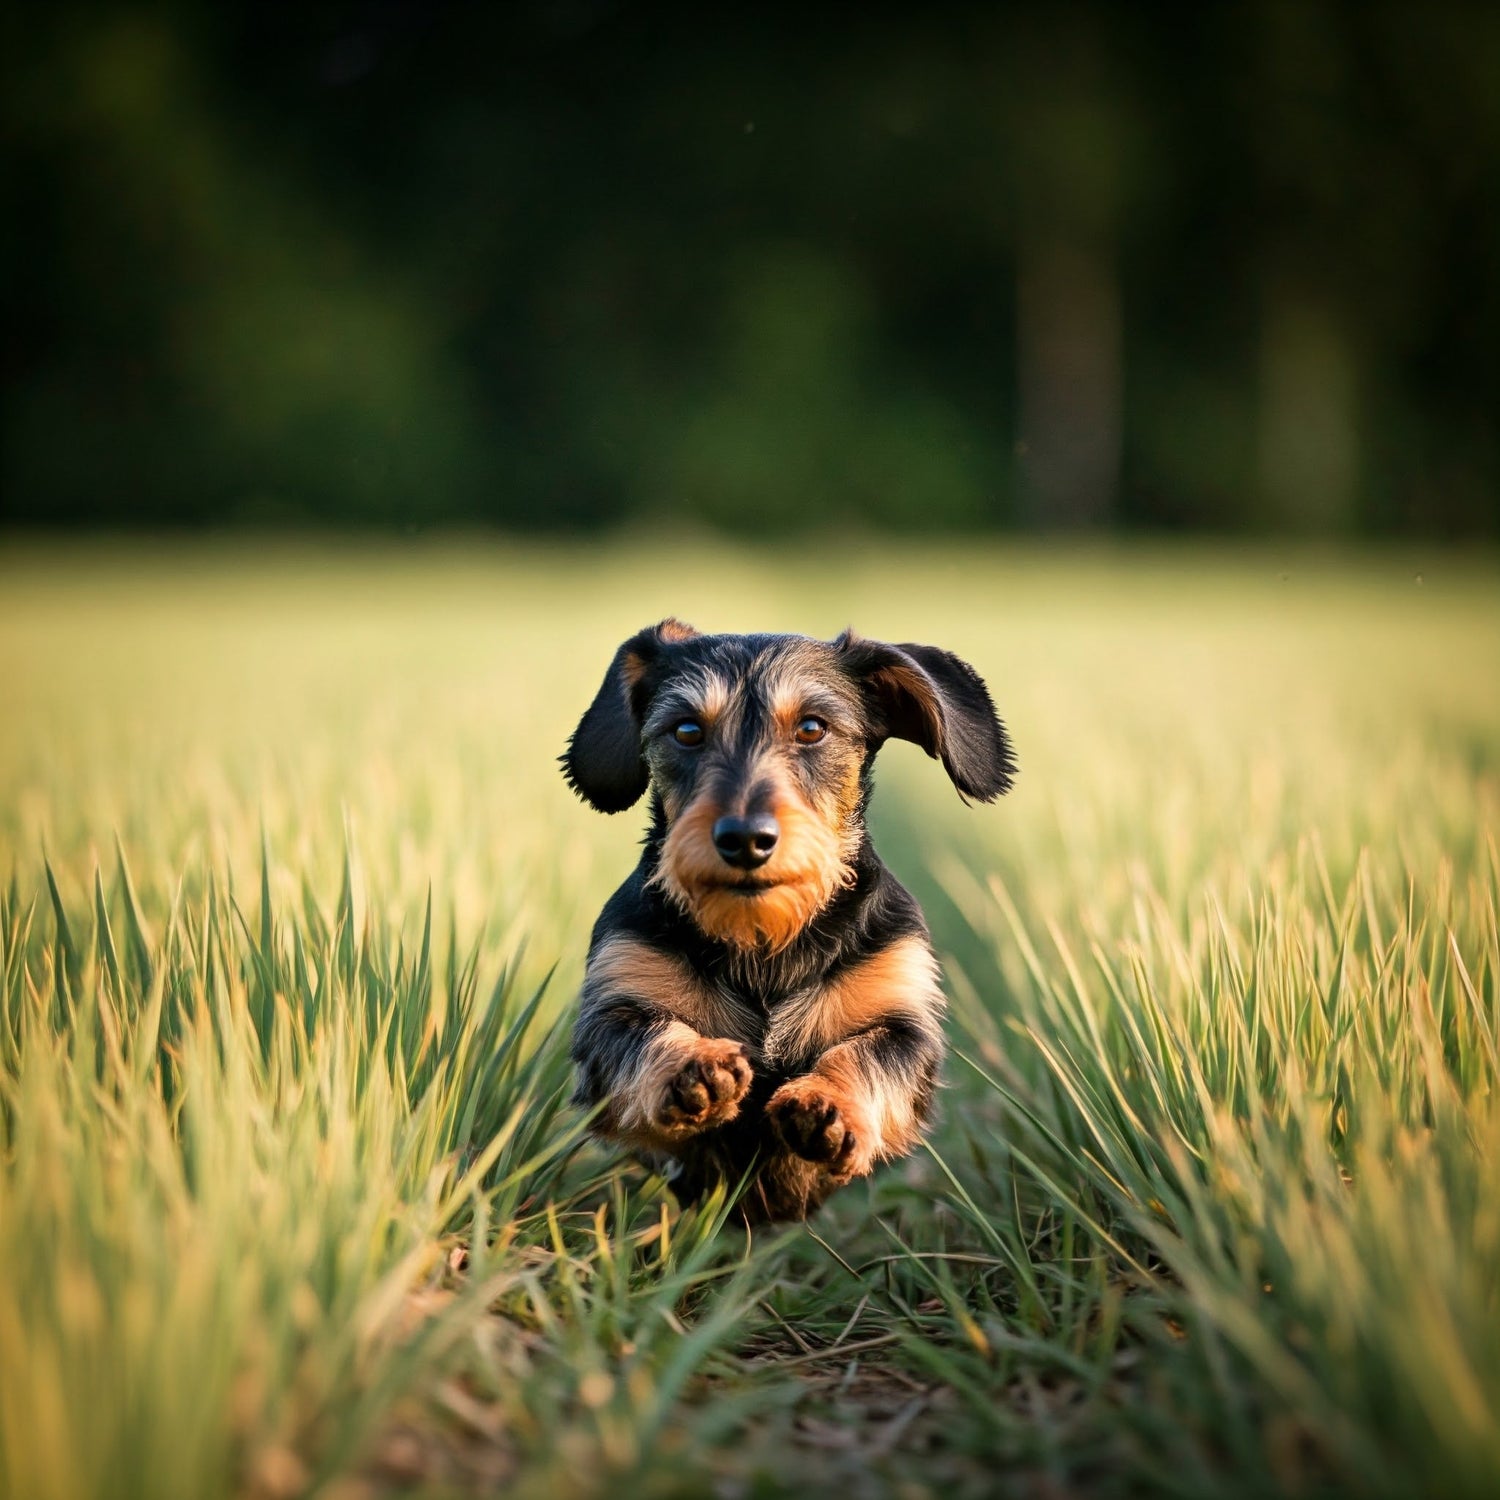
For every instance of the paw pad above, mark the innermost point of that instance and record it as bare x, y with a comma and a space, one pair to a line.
812, 1127
707, 1089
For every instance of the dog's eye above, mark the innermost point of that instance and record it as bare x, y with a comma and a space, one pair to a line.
689, 732
810, 731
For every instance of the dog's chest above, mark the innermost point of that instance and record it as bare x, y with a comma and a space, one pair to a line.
773, 1023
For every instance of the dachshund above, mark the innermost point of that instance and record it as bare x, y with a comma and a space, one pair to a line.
761, 1004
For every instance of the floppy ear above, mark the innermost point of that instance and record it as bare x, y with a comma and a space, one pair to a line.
603, 762
931, 697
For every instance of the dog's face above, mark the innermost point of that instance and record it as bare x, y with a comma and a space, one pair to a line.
757, 747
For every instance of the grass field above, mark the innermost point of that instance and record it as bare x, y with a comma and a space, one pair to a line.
291, 1200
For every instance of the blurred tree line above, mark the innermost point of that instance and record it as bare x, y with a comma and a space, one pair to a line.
574, 264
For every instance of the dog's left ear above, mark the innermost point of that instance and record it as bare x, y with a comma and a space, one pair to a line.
603, 762
931, 697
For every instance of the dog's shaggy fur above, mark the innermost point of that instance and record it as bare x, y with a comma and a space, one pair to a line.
774, 1014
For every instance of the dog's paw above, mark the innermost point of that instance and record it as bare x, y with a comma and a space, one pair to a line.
706, 1091
817, 1123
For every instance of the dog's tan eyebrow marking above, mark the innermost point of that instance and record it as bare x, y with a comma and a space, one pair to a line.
712, 693
627, 966
794, 690
698, 691
898, 982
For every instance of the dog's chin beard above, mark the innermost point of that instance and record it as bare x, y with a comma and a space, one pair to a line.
764, 914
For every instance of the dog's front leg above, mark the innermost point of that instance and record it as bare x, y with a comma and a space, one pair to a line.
661, 1080
863, 1101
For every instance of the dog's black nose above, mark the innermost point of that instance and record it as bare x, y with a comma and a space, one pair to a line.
746, 842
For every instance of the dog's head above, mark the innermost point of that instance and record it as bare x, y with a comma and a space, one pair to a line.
758, 748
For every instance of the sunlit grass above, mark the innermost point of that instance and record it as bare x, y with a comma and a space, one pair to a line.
291, 1196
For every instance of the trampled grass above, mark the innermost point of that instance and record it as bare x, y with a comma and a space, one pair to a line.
291, 1199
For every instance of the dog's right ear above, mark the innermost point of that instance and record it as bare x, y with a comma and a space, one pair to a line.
603, 762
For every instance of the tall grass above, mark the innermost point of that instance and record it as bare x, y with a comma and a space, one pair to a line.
291, 1199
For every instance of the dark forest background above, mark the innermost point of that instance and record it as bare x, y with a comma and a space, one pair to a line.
1221, 267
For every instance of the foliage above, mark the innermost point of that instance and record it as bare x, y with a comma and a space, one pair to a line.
290, 1195
569, 265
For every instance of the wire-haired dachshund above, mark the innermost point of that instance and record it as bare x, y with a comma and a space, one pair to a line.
761, 1000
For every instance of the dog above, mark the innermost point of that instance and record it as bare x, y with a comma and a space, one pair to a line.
761, 1004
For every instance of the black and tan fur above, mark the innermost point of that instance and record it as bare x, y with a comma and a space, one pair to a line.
782, 1022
